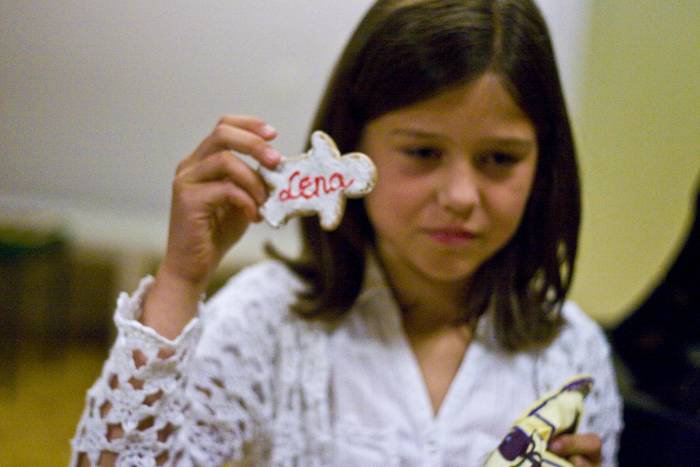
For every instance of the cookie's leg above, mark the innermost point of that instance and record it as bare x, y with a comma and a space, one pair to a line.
329, 215
273, 217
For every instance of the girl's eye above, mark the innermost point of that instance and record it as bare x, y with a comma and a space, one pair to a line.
423, 152
500, 159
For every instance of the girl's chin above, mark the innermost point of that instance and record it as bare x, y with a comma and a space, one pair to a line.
448, 271
425, 264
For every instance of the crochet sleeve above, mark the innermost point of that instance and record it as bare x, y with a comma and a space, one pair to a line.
583, 348
196, 400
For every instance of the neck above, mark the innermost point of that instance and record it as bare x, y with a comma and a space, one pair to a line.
427, 305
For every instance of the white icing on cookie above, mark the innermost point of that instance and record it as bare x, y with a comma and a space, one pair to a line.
316, 182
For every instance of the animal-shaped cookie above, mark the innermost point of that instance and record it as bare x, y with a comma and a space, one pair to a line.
316, 182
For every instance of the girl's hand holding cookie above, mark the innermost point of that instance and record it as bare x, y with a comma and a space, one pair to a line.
215, 197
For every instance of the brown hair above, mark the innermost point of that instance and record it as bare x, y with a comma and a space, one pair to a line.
405, 51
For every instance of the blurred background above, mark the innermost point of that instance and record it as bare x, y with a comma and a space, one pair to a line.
100, 100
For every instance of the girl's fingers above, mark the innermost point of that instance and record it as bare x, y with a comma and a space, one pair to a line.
222, 192
227, 136
252, 124
581, 461
586, 446
225, 165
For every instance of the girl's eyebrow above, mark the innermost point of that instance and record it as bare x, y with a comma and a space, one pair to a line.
514, 142
414, 133
511, 142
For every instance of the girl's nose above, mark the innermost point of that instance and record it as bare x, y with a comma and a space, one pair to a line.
458, 192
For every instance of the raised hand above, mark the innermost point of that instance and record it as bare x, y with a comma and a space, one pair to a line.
215, 196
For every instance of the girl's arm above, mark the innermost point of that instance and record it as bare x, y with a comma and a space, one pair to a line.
139, 404
603, 416
195, 400
215, 196
582, 348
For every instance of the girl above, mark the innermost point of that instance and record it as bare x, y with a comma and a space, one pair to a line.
419, 330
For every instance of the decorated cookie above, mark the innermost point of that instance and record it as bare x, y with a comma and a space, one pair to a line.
316, 182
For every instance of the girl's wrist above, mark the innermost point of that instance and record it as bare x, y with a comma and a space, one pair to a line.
170, 303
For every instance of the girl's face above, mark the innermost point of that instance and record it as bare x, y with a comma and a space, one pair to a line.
455, 173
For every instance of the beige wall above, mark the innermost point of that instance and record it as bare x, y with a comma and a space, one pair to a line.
639, 141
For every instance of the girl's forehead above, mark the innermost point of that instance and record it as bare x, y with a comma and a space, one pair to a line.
485, 94
482, 106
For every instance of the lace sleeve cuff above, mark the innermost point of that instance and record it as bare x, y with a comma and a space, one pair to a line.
129, 308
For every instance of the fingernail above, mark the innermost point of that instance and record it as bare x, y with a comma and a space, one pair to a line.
268, 130
272, 156
556, 445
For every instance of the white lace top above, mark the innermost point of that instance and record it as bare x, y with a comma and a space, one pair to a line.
251, 381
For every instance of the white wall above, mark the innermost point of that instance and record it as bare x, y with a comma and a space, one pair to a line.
100, 99
568, 22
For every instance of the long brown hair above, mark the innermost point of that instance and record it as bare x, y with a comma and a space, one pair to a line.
405, 51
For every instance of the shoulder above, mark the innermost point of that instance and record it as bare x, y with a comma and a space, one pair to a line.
580, 347
580, 340
579, 326
265, 277
258, 295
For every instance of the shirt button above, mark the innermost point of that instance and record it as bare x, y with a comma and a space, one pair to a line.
431, 448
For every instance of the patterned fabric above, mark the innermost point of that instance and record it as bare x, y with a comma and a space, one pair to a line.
249, 380
555, 413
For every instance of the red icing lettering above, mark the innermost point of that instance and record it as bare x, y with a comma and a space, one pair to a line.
320, 183
308, 187
337, 182
286, 194
305, 183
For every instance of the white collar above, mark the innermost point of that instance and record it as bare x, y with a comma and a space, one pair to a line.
377, 298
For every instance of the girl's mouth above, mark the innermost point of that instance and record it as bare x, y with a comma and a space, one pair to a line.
451, 237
